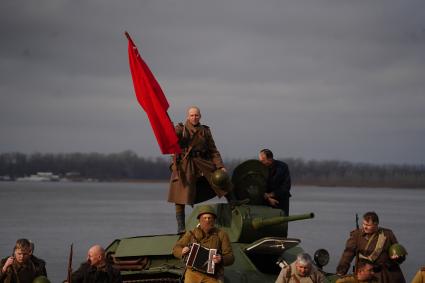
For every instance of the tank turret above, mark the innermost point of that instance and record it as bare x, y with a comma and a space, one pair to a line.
248, 223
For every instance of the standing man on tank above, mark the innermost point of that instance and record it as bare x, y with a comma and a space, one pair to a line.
192, 179
374, 244
278, 183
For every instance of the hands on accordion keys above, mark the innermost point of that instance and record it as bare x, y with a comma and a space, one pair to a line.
201, 258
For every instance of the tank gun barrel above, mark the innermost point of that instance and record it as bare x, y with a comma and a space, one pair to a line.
260, 222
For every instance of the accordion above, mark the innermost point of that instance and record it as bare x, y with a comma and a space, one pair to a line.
200, 258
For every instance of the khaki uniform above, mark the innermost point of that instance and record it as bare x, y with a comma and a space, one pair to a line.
369, 246
289, 274
420, 276
215, 239
22, 273
200, 158
353, 279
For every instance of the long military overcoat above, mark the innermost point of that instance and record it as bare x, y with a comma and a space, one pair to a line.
358, 242
191, 178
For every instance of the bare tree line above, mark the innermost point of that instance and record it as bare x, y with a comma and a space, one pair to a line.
127, 165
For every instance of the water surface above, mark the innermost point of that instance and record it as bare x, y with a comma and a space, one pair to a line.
54, 215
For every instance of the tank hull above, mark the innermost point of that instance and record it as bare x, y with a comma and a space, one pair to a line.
150, 259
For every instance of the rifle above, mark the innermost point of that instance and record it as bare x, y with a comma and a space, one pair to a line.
69, 275
356, 262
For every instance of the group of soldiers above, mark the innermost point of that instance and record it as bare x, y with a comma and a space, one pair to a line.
376, 251
24, 267
199, 174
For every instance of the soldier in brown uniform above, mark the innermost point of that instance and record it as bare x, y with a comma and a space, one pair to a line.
372, 243
364, 274
20, 267
192, 169
207, 235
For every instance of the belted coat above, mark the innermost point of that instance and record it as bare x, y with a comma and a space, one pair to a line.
190, 181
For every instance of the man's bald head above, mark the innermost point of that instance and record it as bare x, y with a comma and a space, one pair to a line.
96, 255
193, 115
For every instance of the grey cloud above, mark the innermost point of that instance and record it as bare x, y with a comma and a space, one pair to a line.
311, 79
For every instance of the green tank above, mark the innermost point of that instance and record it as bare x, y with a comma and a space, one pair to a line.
254, 229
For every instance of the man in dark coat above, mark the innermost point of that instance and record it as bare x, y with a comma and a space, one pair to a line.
192, 169
278, 183
372, 243
21, 267
96, 269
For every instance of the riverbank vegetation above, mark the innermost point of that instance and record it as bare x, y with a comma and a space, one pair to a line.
128, 165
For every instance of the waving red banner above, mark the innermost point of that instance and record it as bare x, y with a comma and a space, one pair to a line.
153, 101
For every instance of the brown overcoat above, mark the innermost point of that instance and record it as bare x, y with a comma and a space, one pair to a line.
190, 183
358, 242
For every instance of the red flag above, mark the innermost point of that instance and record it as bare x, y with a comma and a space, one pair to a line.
152, 100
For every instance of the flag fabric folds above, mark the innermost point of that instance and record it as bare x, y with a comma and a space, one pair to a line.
153, 101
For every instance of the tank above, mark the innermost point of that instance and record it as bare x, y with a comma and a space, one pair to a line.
255, 231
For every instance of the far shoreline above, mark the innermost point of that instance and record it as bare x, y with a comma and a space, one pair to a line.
300, 184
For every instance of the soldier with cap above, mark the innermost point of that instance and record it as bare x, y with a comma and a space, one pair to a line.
208, 236
377, 245
20, 267
198, 173
301, 271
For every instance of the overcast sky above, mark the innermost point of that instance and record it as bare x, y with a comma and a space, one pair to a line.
308, 79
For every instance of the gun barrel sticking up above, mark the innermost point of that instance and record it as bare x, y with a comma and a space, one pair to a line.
69, 273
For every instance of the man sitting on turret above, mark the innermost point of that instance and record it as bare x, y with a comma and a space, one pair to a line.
278, 183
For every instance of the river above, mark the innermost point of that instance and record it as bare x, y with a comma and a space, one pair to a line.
56, 214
